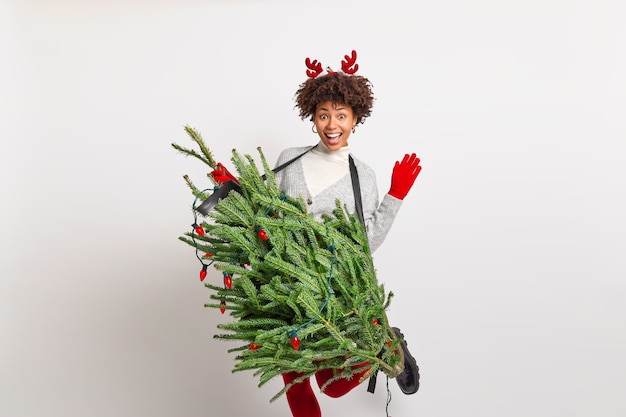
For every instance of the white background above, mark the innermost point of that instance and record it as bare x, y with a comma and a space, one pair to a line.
507, 258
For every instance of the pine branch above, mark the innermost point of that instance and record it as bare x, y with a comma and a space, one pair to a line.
191, 152
301, 273
196, 137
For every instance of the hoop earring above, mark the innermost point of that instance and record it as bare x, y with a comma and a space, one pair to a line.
313, 129
354, 129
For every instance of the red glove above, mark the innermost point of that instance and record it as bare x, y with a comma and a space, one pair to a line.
404, 175
221, 174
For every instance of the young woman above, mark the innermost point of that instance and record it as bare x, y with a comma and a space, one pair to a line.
336, 102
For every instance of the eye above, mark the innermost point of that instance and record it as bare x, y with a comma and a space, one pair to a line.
323, 117
342, 116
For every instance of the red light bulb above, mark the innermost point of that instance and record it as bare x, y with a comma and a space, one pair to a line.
228, 281
203, 273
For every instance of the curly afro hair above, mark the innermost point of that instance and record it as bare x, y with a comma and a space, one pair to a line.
339, 88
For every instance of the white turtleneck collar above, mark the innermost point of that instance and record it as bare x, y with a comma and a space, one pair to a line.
323, 167
339, 155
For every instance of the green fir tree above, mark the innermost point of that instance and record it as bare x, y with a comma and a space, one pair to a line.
302, 293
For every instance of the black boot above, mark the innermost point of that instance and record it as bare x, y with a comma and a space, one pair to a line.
409, 379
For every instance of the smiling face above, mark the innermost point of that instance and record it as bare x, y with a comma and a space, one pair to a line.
334, 123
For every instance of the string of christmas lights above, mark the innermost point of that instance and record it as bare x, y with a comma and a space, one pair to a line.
228, 279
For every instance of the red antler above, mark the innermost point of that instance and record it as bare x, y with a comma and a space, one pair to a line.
314, 68
349, 65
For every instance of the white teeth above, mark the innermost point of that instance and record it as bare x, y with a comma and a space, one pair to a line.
334, 135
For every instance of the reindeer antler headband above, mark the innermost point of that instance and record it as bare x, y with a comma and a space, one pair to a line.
348, 66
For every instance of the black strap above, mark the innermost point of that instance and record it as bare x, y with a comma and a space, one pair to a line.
291, 161
208, 204
228, 186
371, 386
356, 188
358, 204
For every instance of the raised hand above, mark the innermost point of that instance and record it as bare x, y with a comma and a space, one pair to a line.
404, 175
